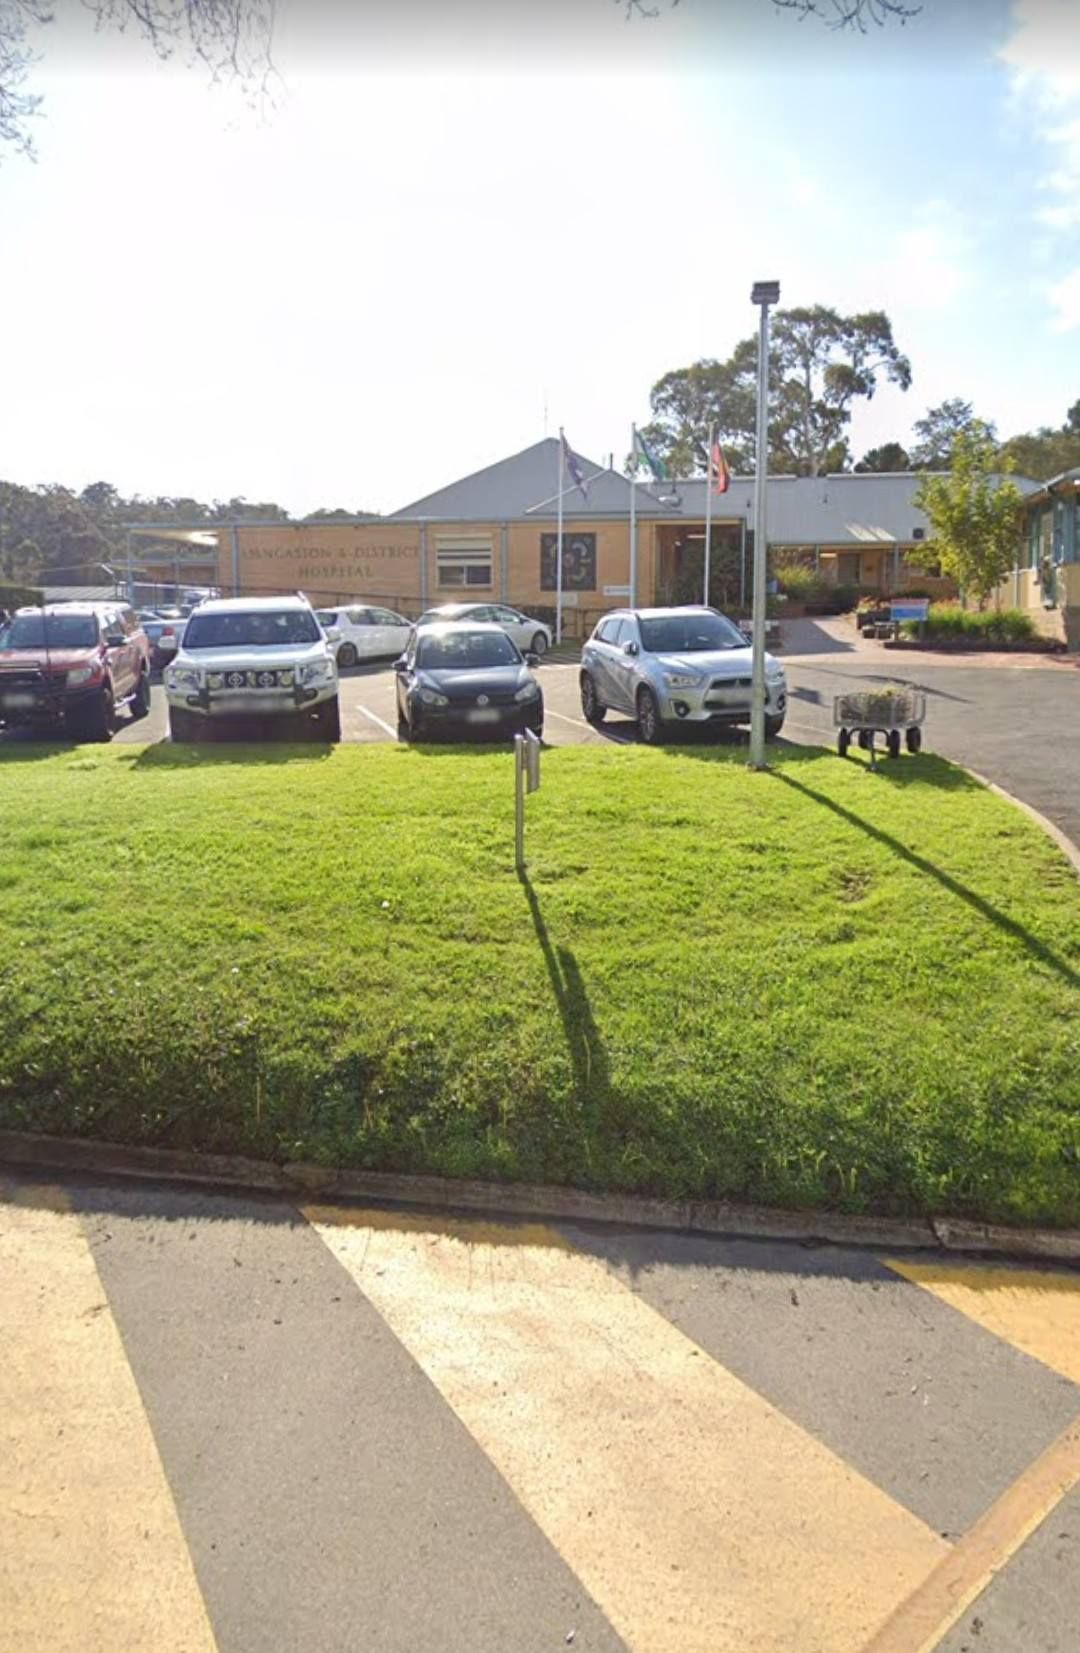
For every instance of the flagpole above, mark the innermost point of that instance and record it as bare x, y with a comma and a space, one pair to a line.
558, 544
708, 513
633, 516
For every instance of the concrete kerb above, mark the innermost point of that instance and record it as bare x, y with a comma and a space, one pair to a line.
1064, 843
517, 1201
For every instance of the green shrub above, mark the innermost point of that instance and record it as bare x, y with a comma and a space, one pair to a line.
950, 622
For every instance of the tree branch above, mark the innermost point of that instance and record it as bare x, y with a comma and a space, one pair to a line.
848, 14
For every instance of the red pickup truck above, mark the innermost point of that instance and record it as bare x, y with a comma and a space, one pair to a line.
67, 668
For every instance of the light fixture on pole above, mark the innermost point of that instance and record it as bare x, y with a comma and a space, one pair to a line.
764, 294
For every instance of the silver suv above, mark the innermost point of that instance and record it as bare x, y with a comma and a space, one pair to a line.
257, 660
666, 666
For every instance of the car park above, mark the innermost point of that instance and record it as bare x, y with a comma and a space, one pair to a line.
70, 667
458, 679
531, 636
360, 632
668, 667
262, 663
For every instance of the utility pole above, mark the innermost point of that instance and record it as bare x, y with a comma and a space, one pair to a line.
764, 294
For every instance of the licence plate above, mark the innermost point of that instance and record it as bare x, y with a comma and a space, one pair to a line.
483, 714
18, 702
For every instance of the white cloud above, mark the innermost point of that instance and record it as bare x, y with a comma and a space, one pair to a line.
1065, 297
1044, 49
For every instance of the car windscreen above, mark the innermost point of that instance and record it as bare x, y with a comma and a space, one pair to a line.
466, 651
689, 634
53, 631
256, 629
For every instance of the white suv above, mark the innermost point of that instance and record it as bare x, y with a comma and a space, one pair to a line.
254, 658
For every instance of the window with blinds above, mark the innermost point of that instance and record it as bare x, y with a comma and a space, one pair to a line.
463, 562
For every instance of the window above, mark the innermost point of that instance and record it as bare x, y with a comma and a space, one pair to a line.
386, 617
608, 630
358, 617
579, 562
507, 616
463, 562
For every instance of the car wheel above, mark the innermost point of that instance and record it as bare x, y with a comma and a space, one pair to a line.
773, 726
328, 721
94, 721
404, 731
347, 655
650, 723
591, 708
140, 704
539, 644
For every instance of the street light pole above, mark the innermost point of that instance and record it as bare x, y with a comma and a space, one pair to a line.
764, 294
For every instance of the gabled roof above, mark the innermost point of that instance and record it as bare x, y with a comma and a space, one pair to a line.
526, 486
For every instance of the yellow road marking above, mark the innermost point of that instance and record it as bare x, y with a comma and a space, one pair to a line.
92, 1558
1036, 1311
699, 1517
920, 1623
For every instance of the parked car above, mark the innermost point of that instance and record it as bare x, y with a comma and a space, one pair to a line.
364, 633
69, 667
668, 666
532, 636
263, 661
466, 679
164, 628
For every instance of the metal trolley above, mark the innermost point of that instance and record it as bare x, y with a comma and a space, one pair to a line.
896, 713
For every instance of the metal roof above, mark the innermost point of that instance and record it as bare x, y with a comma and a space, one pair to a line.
526, 486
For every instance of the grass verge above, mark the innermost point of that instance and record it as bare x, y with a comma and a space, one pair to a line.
818, 986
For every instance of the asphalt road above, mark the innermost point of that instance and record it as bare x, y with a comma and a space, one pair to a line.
1016, 723
236, 1424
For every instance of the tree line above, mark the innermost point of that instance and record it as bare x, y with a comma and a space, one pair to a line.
56, 536
822, 365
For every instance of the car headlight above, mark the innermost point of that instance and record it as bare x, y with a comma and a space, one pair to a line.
81, 674
318, 671
775, 674
215, 680
432, 697
182, 677
528, 691
682, 680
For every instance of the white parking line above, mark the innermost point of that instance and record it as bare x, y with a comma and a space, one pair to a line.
604, 734
375, 719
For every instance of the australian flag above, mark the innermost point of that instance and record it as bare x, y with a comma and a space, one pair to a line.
573, 465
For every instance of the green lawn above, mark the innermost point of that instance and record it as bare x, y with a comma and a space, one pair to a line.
818, 986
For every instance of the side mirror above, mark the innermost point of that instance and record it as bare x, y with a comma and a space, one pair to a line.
333, 634
401, 665
630, 648
532, 659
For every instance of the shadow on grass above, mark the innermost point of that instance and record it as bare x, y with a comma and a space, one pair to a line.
166, 756
986, 909
28, 750
588, 1058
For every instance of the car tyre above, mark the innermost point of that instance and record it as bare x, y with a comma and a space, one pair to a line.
773, 726
650, 723
592, 711
140, 702
347, 655
94, 721
328, 721
404, 728
539, 644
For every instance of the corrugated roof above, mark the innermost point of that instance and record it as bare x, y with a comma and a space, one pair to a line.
526, 485
861, 508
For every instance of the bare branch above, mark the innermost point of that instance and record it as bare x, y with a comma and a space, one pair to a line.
17, 107
848, 14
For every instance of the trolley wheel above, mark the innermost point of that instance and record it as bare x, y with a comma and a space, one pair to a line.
893, 743
843, 741
866, 740
914, 738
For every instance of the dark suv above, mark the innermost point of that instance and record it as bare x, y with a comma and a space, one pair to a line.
68, 667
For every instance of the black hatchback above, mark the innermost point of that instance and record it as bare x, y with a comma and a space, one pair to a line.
466, 680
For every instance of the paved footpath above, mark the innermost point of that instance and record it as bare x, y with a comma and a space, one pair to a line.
232, 1424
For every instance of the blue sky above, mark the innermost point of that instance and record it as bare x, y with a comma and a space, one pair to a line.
381, 282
